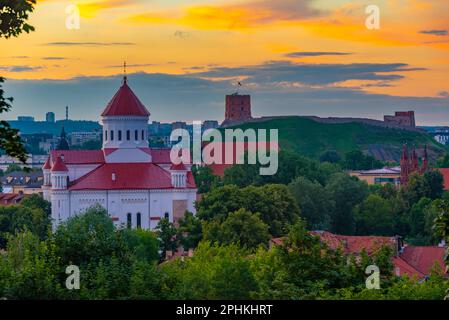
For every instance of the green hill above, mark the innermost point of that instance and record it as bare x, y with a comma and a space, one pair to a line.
312, 138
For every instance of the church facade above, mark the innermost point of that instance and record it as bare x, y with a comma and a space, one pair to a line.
137, 185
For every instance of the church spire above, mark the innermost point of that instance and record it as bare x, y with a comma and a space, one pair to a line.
125, 78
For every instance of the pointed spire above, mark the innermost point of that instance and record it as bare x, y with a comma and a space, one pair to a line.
125, 78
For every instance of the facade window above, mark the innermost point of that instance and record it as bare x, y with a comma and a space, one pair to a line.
120, 135
112, 135
128, 221
128, 135
139, 220
106, 135
166, 215
143, 134
136, 135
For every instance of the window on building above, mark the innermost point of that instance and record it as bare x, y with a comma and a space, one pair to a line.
136, 135
106, 135
112, 135
128, 221
166, 215
139, 220
120, 135
143, 134
128, 135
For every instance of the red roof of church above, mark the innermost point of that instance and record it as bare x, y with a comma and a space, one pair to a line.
126, 176
125, 103
178, 167
59, 166
79, 156
47, 165
445, 173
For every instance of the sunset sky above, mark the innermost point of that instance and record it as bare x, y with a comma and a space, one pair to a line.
311, 57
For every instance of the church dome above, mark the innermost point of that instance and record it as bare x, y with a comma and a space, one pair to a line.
125, 103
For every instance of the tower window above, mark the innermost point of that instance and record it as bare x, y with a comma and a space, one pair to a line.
136, 135
143, 135
166, 215
112, 135
128, 135
106, 135
128, 221
120, 135
139, 220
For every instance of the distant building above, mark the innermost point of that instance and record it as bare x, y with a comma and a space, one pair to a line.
238, 109
410, 164
402, 118
62, 144
50, 117
8, 199
78, 138
33, 161
22, 182
445, 173
25, 119
442, 135
407, 260
379, 176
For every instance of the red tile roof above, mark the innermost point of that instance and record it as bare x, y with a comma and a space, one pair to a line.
401, 267
135, 176
79, 156
125, 103
178, 167
59, 166
7, 199
47, 165
355, 244
424, 258
445, 173
236, 149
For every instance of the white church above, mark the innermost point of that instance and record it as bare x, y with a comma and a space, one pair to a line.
137, 185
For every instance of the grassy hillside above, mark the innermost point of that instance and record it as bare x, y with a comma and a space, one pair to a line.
312, 138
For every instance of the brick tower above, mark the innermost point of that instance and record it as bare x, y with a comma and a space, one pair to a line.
238, 109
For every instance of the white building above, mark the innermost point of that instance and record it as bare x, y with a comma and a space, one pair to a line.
136, 185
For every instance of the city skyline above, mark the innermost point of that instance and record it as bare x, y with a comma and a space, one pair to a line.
294, 57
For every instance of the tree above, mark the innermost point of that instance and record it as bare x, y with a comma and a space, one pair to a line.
35, 201
442, 226
356, 160
19, 218
443, 162
435, 181
214, 272
347, 192
274, 202
88, 238
241, 227
166, 232
314, 201
190, 231
204, 178
142, 243
13, 16
374, 216
13, 168
330, 156
29, 269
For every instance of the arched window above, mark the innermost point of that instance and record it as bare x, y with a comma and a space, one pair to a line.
128, 135
120, 135
143, 135
129, 222
112, 135
105, 135
139, 220
136, 135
